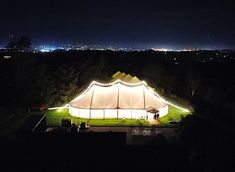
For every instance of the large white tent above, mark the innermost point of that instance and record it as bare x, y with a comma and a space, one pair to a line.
118, 99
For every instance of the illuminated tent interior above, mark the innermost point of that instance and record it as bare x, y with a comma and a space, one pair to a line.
125, 97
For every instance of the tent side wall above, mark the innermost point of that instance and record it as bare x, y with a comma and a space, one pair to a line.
163, 111
114, 113
117, 100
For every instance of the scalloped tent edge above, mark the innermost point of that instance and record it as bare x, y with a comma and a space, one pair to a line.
118, 99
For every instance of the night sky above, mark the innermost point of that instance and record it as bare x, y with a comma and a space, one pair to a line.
127, 23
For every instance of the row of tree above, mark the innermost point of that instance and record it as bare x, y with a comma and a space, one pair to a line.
22, 44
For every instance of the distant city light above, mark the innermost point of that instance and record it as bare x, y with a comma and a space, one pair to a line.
80, 47
46, 50
162, 49
168, 49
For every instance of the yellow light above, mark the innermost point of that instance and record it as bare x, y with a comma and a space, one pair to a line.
108, 84
181, 108
130, 84
60, 108
154, 92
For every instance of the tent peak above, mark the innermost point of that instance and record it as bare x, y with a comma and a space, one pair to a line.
119, 81
125, 77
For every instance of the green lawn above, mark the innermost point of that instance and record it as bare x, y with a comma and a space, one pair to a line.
54, 119
174, 114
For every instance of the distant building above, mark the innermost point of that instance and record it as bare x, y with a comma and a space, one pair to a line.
6, 57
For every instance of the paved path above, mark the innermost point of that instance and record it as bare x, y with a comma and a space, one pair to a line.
154, 122
144, 133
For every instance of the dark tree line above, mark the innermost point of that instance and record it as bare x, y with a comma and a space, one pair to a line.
24, 43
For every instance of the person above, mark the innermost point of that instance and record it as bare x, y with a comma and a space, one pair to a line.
155, 116
74, 128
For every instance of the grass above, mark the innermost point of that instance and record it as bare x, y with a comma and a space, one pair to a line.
54, 118
174, 114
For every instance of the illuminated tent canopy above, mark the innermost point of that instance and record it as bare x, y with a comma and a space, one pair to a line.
125, 77
118, 99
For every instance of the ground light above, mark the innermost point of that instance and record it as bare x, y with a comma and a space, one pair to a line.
59, 108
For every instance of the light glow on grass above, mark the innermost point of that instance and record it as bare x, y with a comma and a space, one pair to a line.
54, 118
174, 115
181, 108
59, 108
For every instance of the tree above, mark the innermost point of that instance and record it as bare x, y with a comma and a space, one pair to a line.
23, 43
159, 77
170, 83
20, 85
63, 85
193, 78
97, 71
11, 45
154, 74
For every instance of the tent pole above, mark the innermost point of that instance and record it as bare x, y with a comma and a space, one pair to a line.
145, 104
104, 113
91, 102
118, 102
144, 98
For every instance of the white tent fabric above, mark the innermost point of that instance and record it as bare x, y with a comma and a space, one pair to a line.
117, 100
125, 77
